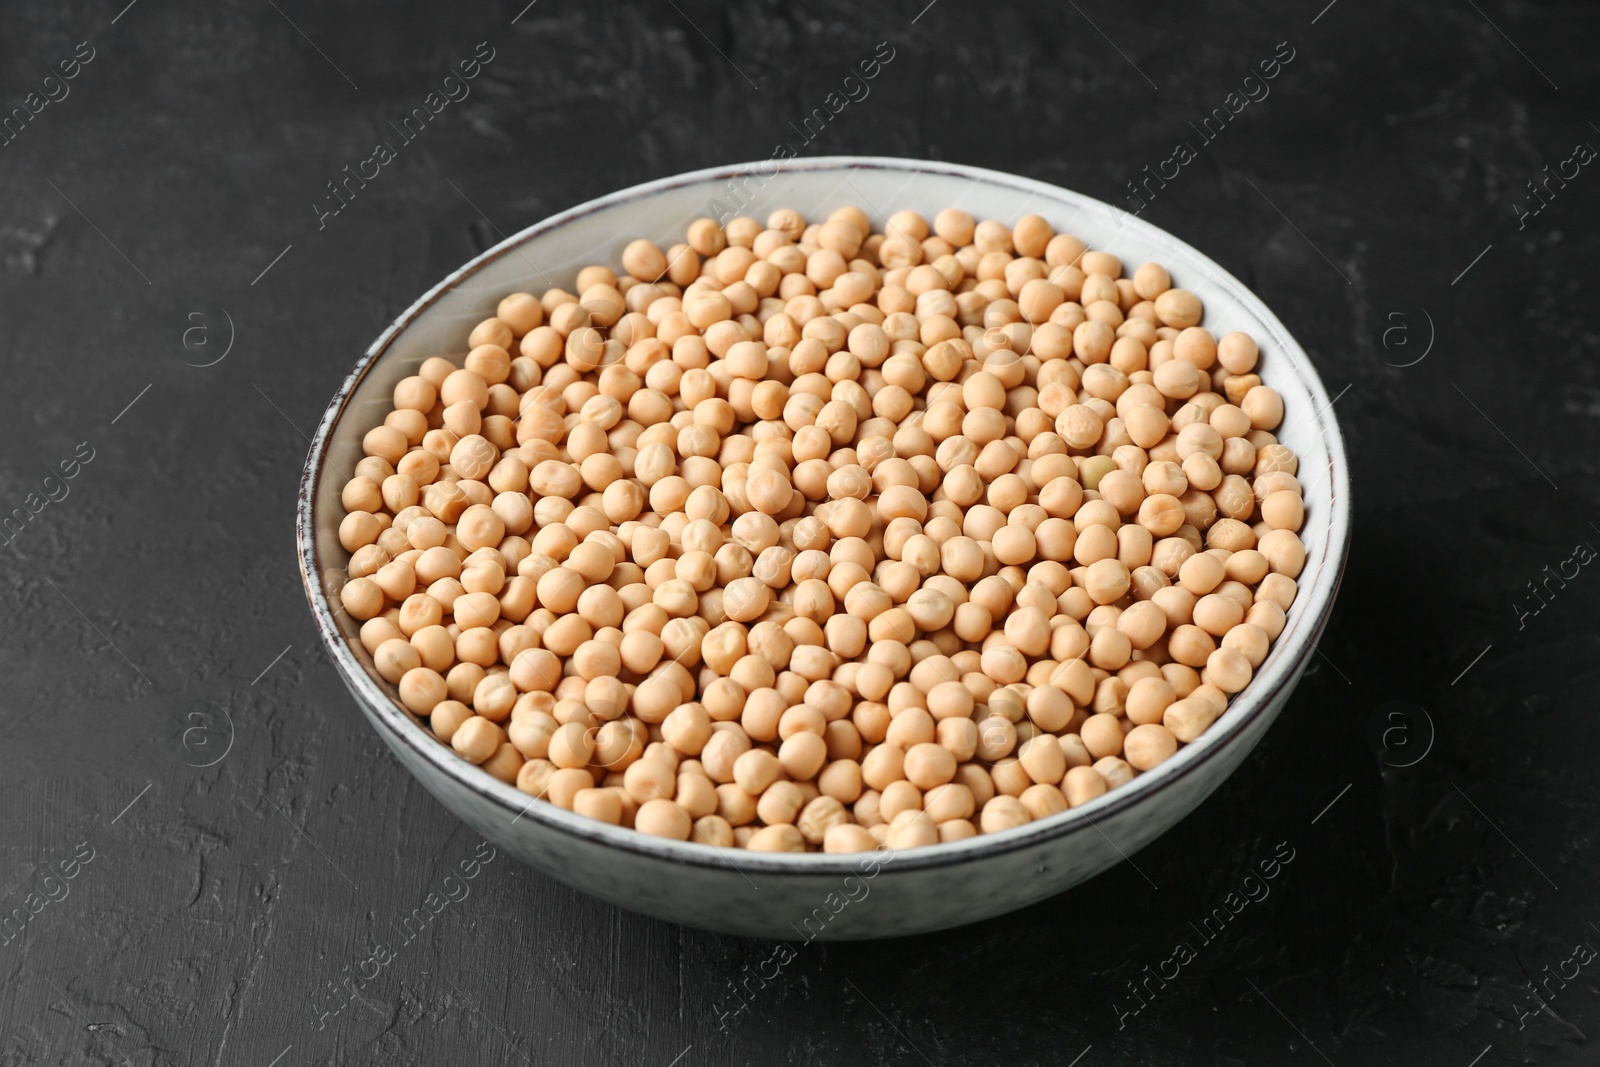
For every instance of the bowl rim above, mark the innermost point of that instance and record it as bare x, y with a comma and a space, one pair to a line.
1293, 647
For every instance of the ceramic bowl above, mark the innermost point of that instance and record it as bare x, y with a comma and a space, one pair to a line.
820, 896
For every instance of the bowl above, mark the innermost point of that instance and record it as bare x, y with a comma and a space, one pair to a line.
818, 895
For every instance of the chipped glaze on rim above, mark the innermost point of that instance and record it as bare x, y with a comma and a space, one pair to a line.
1281, 668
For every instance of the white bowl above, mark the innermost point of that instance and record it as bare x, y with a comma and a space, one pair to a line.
820, 895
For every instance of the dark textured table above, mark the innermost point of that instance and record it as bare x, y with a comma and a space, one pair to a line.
202, 838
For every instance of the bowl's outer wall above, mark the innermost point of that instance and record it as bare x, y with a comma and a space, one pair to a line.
742, 892
877, 900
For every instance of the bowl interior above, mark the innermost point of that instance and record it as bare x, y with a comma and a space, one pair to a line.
550, 254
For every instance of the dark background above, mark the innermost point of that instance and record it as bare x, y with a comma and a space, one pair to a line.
1434, 773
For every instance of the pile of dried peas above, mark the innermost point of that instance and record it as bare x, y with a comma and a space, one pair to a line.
798, 536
